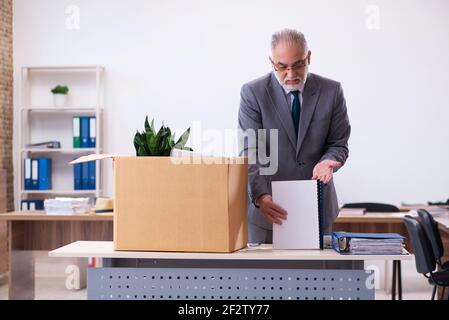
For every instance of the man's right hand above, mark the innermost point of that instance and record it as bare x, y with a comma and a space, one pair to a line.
271, 211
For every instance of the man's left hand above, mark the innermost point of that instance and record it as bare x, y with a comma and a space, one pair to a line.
323, 170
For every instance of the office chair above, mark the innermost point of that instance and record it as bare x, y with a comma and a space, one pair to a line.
431, 229
424, 257
373, 206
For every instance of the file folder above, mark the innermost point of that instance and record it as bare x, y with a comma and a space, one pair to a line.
34, 174
84, 176
303, 201
367, 243
44, 169
84, 132
92, 132
24, 205
76, 132
77, 176
31, 205
91, 168
27, 174
38, 204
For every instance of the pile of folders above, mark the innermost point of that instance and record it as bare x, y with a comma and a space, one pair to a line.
368, 243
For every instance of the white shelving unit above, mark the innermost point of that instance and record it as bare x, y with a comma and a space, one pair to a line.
29, 78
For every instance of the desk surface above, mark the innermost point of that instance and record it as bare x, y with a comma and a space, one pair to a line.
379, 217
423, 206
443, 221
387, 217
105, 249
42, 216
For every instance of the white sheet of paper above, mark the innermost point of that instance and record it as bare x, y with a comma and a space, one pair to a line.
301, 229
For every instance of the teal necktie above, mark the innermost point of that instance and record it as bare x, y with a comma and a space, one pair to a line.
296, 110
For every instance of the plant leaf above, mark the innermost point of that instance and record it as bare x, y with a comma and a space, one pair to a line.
137, 142
151, 142
152, 126
141, 152
165, 141
182, 140
147, 125
156, 151
143, 139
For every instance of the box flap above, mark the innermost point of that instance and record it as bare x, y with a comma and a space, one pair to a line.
92, 157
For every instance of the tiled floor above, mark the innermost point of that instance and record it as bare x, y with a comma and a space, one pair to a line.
415, 286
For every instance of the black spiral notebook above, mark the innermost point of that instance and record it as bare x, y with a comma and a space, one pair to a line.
303, 200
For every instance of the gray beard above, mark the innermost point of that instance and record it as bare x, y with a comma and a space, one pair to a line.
288, 88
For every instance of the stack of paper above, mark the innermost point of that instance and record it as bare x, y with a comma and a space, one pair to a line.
61, 205
376, 246
352, 211
368, 243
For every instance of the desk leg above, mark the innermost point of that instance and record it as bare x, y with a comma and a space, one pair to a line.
387, 281
397, 280
393, 284
21, 264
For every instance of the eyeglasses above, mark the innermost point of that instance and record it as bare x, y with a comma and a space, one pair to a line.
295, 66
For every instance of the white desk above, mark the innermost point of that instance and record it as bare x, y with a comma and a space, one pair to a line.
252, 273
105, 249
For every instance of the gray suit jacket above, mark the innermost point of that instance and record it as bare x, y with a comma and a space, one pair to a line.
324, 131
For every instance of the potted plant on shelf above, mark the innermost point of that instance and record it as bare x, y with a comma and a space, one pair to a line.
150, 143
60, 95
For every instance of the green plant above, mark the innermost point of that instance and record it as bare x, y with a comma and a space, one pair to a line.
60, 89
150, 143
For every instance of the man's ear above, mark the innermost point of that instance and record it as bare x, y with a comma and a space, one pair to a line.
308, 57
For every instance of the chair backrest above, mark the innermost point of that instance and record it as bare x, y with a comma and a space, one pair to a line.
373, 206
424, 258
432, 232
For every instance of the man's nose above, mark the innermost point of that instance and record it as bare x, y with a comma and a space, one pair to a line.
291, 73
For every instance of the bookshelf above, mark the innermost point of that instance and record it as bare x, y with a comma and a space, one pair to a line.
59, 192
40, 121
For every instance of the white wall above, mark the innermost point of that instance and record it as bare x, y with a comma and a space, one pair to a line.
184, 61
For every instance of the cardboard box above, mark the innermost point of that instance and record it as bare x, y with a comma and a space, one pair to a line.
163, 206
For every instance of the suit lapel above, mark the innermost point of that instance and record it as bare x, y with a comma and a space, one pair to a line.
309, 101
277, 95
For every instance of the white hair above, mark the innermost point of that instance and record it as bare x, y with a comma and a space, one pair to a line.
290, 36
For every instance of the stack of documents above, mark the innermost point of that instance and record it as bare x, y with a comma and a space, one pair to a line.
352, 212
67, 206
368, 243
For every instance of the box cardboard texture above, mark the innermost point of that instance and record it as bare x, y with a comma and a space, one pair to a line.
163, 206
